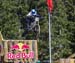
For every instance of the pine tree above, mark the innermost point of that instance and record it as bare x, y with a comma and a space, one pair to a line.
62, 23
10, 14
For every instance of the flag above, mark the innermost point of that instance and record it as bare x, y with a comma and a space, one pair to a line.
50, 5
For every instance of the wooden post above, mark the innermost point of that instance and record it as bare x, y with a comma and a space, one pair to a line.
67, 60
62, 61
36, 50
72, 60
25, 51
30, 44
5, 51
1, 37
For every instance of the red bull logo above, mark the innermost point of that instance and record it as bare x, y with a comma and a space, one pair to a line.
21, 54
20, 47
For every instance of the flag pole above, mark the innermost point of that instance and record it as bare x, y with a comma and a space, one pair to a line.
49, 37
